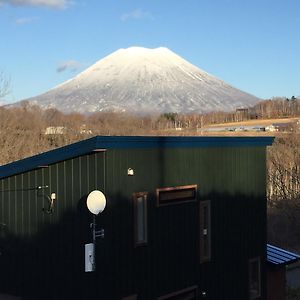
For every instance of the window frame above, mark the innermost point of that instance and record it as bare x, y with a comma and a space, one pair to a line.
138, 242
174, 189
251, 261
180, 292
202, 227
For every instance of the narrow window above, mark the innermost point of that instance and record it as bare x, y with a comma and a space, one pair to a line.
205, 236
178, 194
190, 293
254, 278
140, 218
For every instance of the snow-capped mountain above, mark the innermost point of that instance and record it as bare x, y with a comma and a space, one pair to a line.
143, 81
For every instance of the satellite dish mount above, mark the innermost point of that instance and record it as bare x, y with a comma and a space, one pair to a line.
96, 203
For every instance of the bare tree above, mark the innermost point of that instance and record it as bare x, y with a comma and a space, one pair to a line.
284, 191
4, 85
284, 171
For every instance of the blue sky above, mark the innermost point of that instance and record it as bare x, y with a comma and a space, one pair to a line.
253, 45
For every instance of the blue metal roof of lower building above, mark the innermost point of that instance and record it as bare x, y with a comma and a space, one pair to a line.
123, 142
277, 256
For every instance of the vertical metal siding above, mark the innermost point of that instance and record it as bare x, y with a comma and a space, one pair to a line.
233, 179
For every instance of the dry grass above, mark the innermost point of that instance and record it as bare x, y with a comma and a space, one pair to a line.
237, 133
188, 132
256, 122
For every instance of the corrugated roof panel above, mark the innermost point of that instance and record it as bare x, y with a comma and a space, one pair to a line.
278, 256
273, 260
281, 255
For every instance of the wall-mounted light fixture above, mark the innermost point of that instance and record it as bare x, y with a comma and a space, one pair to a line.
203, 294
50, 199
130, 172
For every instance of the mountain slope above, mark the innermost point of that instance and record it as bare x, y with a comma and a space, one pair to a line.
144, 80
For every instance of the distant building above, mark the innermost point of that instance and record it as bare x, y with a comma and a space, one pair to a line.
244, 111
271, 128
55, 130
241, 114
283, 127
277, 260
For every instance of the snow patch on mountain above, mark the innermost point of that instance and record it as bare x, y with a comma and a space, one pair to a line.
143, 80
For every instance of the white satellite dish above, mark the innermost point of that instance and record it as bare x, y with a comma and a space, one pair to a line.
96, 202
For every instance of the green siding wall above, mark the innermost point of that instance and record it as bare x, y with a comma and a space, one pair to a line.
44, 246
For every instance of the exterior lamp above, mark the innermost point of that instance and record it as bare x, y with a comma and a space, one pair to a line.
49, 198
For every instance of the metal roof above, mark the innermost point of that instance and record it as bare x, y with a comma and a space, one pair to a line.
123, 142
278, 256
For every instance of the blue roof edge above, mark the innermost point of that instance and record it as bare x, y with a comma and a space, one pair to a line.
277, 256
118, 142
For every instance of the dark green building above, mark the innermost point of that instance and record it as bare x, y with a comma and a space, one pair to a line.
185, 218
